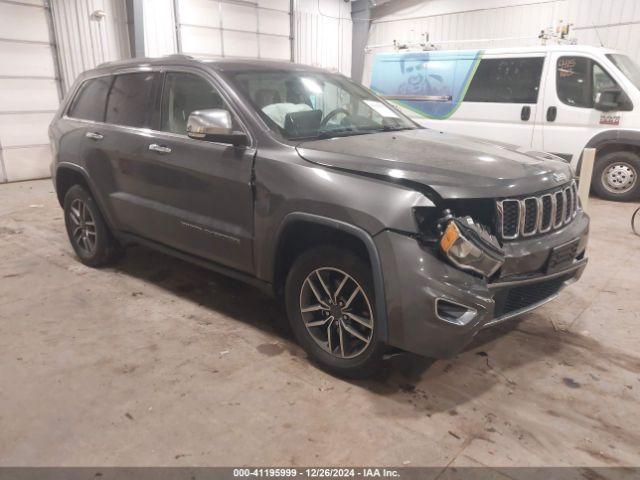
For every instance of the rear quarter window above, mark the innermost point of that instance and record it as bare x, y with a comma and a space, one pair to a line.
91, 99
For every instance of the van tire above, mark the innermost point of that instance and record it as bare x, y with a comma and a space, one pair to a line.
358, 359
615, 171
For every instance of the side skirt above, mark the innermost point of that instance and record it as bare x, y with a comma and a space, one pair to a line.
130, 238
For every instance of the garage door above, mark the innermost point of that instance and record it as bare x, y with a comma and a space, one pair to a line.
234, 28
29, 94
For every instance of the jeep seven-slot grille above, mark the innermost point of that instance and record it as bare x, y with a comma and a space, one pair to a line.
537, 214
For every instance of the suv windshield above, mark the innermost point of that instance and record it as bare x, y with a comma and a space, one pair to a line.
627, 66
304, 104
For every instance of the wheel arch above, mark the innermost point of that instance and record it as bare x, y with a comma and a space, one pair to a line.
612, 141
67, 175
295, 236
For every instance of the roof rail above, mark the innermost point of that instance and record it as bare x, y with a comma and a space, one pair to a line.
133, 60
180, 55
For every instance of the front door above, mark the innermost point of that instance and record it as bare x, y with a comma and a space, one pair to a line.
568, 119
192, 195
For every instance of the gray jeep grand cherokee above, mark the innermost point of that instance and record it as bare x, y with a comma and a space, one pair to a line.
377, 233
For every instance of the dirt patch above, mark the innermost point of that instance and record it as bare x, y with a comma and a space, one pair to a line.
270, 349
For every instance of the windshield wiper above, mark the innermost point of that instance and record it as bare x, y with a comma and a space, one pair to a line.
340, 133
388, 128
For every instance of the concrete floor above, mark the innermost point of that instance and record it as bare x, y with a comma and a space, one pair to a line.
158, 362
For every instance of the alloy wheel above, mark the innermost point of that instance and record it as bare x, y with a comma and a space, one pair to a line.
336, 312
83, 227
619, 177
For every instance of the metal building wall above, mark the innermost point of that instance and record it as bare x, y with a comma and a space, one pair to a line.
88, 33
615, 23
29, 89
323, 33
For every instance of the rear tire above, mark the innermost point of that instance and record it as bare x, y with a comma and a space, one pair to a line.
616, 176
330, 304
88, 232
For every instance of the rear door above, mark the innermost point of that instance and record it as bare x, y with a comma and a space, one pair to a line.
192, 195
117, 145
501, 101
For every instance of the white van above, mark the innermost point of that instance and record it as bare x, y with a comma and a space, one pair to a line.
557, 98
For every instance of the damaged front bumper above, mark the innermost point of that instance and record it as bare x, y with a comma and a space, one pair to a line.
435, 309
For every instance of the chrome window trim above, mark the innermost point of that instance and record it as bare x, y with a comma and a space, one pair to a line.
161, 69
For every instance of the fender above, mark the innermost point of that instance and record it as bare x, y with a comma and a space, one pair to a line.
372, 250
609, 137
92, 189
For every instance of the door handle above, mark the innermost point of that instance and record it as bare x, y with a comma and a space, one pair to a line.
552, 113
94, 135
525, 113
154, 147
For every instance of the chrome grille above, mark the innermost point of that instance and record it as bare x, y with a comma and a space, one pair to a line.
537, 214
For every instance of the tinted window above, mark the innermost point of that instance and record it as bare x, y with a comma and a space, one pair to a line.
579, 79
506, 80
131, 100
185, 93
91, 100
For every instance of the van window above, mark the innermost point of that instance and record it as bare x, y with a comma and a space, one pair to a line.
627, 66
91, 99
506, 80
185, 93
579, 80
131, 100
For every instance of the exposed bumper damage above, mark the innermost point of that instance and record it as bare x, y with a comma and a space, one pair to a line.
435, 309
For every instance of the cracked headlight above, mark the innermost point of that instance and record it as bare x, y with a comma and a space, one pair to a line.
470, 246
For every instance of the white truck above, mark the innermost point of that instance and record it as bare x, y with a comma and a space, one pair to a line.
559, 99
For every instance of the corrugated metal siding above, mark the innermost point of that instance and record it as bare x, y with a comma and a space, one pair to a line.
159, 28
323, 32
29, 89
228, 28
615, 22
85, 42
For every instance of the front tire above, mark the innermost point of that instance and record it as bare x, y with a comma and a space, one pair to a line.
88, 232
616, 176
331, 307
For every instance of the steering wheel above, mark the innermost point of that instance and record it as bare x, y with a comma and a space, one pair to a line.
332, 114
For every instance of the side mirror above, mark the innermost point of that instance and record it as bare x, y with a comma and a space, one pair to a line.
214, 125
612, 98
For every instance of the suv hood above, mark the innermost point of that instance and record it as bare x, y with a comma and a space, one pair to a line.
454, 166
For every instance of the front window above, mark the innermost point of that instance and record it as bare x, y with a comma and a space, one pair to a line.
300, 104
627, 66
579, 80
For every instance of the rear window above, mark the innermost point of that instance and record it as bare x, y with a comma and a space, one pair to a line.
131, 100
506, 80
91, 100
